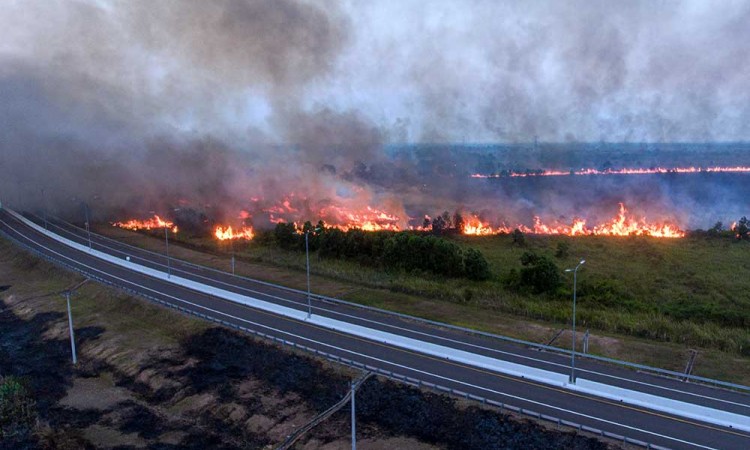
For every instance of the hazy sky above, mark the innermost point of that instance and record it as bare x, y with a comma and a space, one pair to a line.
144, 104
414, 70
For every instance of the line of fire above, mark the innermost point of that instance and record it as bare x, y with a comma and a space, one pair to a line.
611, 171
623, 223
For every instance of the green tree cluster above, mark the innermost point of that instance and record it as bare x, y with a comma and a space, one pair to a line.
538, 274
445, 223
390, 250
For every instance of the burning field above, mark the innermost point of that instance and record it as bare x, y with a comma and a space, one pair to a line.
455, 159
223, 123
153, 223
622, 224
611, 171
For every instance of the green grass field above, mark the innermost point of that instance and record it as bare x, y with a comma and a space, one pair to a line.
694, 291
640, 297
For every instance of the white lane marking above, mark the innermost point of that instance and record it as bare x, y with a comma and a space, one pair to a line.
360, 354
489, 349
679, 408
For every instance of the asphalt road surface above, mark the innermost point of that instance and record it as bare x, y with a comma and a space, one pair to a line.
635, 422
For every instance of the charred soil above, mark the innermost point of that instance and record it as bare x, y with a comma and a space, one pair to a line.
148, 377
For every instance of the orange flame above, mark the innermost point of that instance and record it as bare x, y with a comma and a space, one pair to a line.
224, 233
147, 224
370, 219
626, 171
620, 225
474, 226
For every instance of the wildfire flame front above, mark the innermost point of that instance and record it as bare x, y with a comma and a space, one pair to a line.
152, 223
620, 225
225, 233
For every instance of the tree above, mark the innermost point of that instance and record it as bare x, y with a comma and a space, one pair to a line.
447, 219
286, 235
332, 243
518, 237
355, 245
395, 252
742, 229
438, 225
476, 266
458, 221
447, 258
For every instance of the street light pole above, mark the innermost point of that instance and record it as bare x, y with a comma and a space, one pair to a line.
573, 353
231, 242
169, 263
354, 418
70, 326
44, 201
307, 257
88, 229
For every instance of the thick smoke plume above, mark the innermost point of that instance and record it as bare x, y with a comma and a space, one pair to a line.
302, 109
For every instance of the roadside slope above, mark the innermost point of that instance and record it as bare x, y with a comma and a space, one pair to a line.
149, 376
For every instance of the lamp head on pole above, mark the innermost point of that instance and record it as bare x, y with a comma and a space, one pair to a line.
315, 230
579, 265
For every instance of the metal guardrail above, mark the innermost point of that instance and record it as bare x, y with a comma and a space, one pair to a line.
631, 365
415, 382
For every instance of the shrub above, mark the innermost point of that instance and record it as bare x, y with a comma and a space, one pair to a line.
17, 409
427, 253
563, 250
539, 273
476, 266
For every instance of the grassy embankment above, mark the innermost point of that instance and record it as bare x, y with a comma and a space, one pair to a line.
645, 300
149, 377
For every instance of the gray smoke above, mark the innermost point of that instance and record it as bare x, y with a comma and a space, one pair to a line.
226, 105
144, 104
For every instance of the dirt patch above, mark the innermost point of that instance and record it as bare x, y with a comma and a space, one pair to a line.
370, 444
94, 393
105, 437
609, 344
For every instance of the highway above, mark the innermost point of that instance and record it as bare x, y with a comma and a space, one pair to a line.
634, 421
